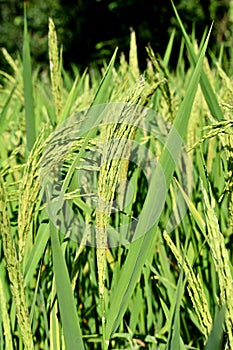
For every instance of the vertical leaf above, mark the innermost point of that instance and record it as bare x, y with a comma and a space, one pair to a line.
207, 89
215, 338
69, 317
28, 88
174, 333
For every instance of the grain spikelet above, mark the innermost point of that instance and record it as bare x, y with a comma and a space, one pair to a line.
226, 137
12, 63
221, 261
112, 162
133, 57
14, 271
199, 107
227, 89
195, 289
168, 103
223, 130
5, 317
55, 61
28, 194
223, 127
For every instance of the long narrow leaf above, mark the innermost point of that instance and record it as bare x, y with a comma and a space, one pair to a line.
102, 92
174, 333
37, 251
69, 317
207, 89
216, 335
168, 52
28, 88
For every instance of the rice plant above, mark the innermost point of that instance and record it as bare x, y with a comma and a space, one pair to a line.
116, 232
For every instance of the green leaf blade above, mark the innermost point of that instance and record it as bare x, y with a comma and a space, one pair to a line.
206, 87
70, 322
28, 89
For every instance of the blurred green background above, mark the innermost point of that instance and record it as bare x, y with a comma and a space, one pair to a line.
89, 30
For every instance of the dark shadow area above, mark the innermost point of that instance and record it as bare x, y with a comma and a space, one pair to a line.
89, 31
